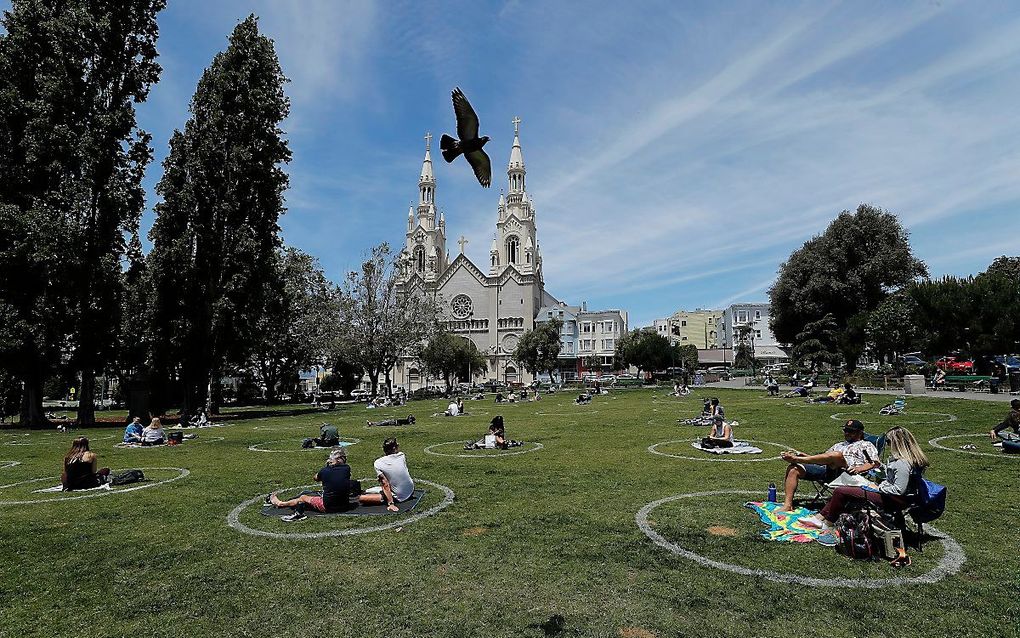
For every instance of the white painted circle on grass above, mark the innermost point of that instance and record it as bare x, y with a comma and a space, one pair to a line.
483, 455
187, 442
710, 457
92, 494
586, 411
233, 518
951, 562
897, 419
347, 442
937, 442
6, 464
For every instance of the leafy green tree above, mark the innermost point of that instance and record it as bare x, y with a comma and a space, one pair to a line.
344, 376
645, 350
890, 327
71, 164
538, 349
847, 271
216, 230
686, 356
448, 356
291, 331
380, 322
817, 343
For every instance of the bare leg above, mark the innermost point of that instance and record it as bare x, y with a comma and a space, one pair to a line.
304, 498
381, 499
794, 473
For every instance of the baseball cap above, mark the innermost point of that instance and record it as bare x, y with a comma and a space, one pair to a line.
853, 425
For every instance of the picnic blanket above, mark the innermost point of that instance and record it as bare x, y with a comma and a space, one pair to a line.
739, 447
786, 526
358, 510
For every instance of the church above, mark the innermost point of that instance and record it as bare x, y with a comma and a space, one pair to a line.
491, 306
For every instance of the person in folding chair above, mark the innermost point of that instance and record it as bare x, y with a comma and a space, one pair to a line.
853, 455
903, 471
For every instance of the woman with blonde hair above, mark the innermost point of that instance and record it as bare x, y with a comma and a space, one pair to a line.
153, 433
907, 463
80, 468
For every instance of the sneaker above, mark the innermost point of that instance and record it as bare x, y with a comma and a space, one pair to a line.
814, 521
296, 516
268, 500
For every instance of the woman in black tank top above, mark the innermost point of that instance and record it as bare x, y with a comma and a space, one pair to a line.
80, 465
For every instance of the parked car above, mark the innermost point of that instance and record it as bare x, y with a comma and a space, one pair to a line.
359, 394
913, 360
955, 365
626, 377
718, 370
1011, 362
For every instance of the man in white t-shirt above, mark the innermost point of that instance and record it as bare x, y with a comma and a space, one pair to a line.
853, 455
395, 482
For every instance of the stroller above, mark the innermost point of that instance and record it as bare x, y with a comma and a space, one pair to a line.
894, 408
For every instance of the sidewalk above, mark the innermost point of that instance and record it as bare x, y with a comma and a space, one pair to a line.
1002, 397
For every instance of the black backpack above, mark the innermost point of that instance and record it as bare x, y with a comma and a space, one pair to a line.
127, 477
856, 538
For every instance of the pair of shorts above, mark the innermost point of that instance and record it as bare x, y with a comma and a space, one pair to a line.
815, 472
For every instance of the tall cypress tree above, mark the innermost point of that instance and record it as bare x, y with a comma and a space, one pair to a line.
71, 164
217, 227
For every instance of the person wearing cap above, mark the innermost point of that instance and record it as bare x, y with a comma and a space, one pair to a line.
1012, 420
721, 434
853, 455
337, 489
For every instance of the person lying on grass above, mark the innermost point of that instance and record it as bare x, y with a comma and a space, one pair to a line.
1012, 420
854, 455
583, 399
803, 391
153, 433
386, 422
337, 489
903, 472
496, 436
395, 482
133, 432
721, 434
833, 396
81, 468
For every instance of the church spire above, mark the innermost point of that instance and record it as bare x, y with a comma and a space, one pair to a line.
427, 188
515, 169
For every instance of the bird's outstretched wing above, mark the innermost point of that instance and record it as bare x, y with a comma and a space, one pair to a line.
467, 120
479, 161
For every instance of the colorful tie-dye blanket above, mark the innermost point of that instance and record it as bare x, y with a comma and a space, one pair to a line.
787, 526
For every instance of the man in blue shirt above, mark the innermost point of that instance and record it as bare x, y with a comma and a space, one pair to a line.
133, 432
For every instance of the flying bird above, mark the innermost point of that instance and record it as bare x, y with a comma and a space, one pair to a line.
469, 144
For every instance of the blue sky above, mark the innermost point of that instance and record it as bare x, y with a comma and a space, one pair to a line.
676, 152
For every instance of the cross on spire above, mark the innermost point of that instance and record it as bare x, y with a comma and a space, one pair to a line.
462, 241
428, 140
517, 124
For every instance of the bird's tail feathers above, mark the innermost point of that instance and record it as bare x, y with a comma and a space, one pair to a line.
450, 148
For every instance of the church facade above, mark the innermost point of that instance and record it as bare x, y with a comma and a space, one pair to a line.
492, 305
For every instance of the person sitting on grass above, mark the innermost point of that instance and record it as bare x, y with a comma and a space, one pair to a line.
81, 468
706, 409
337, 490
512, 397
395, 482
903, 472
153, 433
499, 397
771, 385
387, 422
496, 438
1012, 420
200, 420
717, 409
721, 434
849, 395
583, 399
133, 432
329, 436
854, 455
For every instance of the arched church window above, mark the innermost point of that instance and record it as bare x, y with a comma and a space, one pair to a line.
419, 259
513, 249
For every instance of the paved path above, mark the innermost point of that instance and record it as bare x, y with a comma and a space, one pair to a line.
1002, 397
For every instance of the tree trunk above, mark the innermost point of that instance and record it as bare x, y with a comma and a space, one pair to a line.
87, 398
389, 384
374, 378
32, 415
215, 398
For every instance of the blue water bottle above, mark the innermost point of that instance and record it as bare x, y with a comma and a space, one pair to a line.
772, 492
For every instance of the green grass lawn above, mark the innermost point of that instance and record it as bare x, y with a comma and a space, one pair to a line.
527, 537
